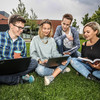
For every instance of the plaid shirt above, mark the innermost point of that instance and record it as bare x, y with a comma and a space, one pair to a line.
7, 46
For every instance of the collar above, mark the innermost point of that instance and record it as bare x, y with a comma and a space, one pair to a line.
8, 36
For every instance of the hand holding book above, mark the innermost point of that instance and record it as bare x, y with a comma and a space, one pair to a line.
89, 60
66, 53
94, 63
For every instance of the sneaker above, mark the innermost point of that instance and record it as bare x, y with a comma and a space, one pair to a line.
27, 78
48, 79
67, 69
92, 77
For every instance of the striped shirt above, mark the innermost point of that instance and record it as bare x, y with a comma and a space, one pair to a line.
8, 46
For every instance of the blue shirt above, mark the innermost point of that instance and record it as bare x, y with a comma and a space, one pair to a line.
7, 46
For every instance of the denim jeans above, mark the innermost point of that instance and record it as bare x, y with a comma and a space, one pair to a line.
14, 78
61, 48
46, 71
84, 68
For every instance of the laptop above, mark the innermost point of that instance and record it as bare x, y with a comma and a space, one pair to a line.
53, 62
13, 66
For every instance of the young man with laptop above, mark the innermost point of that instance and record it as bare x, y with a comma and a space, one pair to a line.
11, 41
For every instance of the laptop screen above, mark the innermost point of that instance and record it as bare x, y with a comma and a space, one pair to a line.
13, 66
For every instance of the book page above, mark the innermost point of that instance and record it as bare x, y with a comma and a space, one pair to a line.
96, 60
70, 49
86, 59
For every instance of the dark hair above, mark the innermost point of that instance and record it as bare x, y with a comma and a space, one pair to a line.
15, 18
68, 16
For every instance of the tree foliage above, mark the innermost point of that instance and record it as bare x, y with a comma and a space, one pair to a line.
30, 19
74, 24
21, 10
94, 17
86, 19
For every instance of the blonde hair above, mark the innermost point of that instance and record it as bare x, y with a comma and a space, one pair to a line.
45, 21
94, 25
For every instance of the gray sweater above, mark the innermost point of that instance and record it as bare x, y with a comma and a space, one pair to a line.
42, 51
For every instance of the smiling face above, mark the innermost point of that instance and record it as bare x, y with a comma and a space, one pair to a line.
17, 28
65, 24
46, 29
89, 33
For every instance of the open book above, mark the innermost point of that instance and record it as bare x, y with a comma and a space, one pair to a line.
86, 59
70, 50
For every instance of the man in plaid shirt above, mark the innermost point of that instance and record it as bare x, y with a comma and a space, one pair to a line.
9, 45
11, 41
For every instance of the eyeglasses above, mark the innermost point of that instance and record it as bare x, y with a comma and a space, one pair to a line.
20, 28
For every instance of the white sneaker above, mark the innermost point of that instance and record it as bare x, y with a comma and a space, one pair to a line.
67, 69
48, 80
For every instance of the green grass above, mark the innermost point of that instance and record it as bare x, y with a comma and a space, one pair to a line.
28, 49
67, 86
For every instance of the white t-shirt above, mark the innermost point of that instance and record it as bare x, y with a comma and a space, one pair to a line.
67, 43
14, 40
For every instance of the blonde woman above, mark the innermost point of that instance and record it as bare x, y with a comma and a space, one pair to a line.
90, 50
42, 48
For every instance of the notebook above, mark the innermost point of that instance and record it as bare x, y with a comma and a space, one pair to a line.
52, 62
13, 66
70, 50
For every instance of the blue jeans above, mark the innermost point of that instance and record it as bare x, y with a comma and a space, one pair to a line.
45, 71
84, 68
61, 48
14, 78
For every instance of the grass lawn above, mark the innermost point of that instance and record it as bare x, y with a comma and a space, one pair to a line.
67, 86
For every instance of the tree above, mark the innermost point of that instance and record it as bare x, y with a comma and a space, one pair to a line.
86, 19
33, 22
96, 16
21, 10
33, 16
74, 24
30, 20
